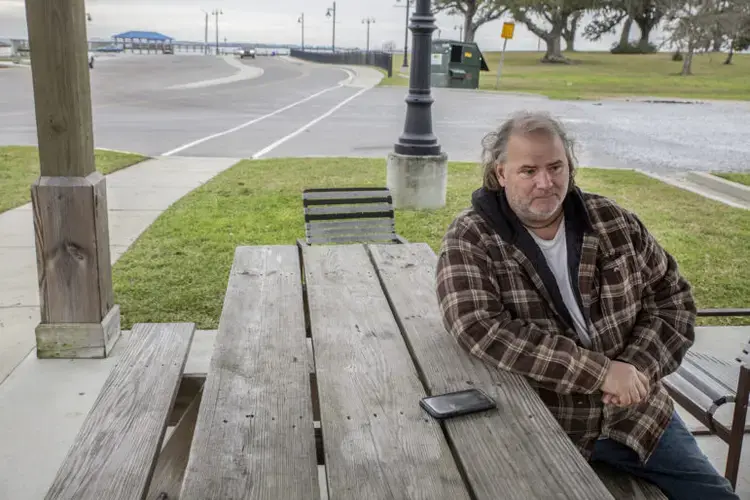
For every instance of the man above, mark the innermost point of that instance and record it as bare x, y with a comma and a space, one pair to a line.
571, 291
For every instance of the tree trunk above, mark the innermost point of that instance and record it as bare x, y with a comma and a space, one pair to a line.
688, 61
731, 53
554, 53
625, 35
469, 27
570, 30
645, 33
570, 40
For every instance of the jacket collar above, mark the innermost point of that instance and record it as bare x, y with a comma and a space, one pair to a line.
494, 208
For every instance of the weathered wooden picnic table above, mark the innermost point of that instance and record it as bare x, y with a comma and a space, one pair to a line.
320, 360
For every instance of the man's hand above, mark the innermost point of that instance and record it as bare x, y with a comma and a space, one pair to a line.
624, 385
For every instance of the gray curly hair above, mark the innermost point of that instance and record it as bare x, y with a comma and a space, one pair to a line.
495, 144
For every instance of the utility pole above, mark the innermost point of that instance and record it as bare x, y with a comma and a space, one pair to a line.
368, 21
205, 40
301, 20
406, 34
217, 13
460, 29
328, 14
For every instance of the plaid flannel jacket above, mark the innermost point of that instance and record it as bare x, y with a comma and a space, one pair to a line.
499, 299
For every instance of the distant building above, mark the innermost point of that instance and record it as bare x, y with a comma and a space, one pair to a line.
143, 41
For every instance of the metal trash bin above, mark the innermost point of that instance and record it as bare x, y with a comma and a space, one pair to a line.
456, 64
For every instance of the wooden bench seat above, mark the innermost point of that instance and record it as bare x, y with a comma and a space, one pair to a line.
115, 451
624, 486
349, 215
702, 385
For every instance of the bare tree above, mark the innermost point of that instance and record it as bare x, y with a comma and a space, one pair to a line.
548, 19
476, 13
691, 24
738, 34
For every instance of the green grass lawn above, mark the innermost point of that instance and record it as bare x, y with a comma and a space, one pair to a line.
601, 74
741, 178
178, 269
19, 168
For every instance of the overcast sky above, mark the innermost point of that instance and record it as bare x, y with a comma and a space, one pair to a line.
270, 21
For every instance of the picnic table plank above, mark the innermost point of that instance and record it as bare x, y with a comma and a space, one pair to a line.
378, 443
519, 449
114, 453
254, 436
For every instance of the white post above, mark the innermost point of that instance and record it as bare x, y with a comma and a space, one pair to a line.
500, 65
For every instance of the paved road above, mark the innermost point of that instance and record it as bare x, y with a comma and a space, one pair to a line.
136, 109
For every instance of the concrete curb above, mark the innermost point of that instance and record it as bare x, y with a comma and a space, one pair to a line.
723, 186
364, 76
693, 188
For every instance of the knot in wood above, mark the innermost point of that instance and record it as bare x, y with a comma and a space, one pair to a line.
75, 251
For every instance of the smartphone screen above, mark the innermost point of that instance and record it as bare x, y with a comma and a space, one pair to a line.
457, 403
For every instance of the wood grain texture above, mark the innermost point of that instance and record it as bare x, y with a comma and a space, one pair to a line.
518, 451
67, 246
114, 453
378, 443
104, 259
79, 340
170, 467
254, 438
625, 486
62, 90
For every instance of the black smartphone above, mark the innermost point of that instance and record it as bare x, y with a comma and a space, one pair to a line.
457, 403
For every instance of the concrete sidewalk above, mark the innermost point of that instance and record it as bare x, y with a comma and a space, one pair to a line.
136, 196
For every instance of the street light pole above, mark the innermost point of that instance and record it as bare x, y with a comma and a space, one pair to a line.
406, 35
418, 138
417, 171
217, 13
301, 20
328, 14
205, 40
368, 21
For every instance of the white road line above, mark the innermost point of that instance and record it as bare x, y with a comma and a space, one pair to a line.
281, 141
261, 118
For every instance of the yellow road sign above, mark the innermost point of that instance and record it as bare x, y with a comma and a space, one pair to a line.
508, 29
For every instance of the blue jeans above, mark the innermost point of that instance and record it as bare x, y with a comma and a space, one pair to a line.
677, 466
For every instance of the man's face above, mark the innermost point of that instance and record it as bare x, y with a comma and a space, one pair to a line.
536, 176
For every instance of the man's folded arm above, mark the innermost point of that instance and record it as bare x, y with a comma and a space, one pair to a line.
473, 313
665, 327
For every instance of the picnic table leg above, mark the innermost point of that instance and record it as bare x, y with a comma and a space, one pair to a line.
173, 459
738, 427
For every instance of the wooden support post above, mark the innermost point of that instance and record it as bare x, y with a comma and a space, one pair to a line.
78, 315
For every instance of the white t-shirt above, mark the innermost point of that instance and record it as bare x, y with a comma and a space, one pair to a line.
556, 253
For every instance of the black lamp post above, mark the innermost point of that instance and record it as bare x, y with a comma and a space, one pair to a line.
418, 138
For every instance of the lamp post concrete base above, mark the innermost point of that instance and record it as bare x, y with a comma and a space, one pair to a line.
417, 182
